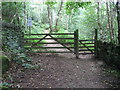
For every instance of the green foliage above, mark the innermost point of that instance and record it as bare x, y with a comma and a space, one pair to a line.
5, 85
12, 42
113, 72
26, 65
110, 53
13, 13
51, 3
13, 33
44, 26
5, 63
74, 6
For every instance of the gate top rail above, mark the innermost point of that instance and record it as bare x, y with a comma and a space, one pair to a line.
87, 40
44, 38
52, 34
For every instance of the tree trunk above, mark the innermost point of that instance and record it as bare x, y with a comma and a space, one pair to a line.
98, 19
67, 22
101, 20
58, 14
118, 19
109, 23
49, 18
51, 15
24, 14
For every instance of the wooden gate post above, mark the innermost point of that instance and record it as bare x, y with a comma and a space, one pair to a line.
96, 43
76, 40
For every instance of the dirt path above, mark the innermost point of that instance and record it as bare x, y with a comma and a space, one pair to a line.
59, 71
62, 72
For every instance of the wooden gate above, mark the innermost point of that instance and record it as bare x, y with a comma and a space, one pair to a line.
36, 43
88, 46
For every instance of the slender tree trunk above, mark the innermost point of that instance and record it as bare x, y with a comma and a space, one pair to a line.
101, 19
67, 22
58, 14
49, 18
118, 19
27, 13
51, 15
109, 25
24, 14
111, 21
99, 25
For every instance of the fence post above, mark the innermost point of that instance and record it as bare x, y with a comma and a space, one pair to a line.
76, 46
96, 43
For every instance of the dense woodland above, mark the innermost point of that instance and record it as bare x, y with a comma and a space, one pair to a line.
60, 17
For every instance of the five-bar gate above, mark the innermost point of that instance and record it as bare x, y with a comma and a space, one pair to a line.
37, 43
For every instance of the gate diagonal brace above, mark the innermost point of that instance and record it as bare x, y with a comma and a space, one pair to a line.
39, 40
61, 43
85, 46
